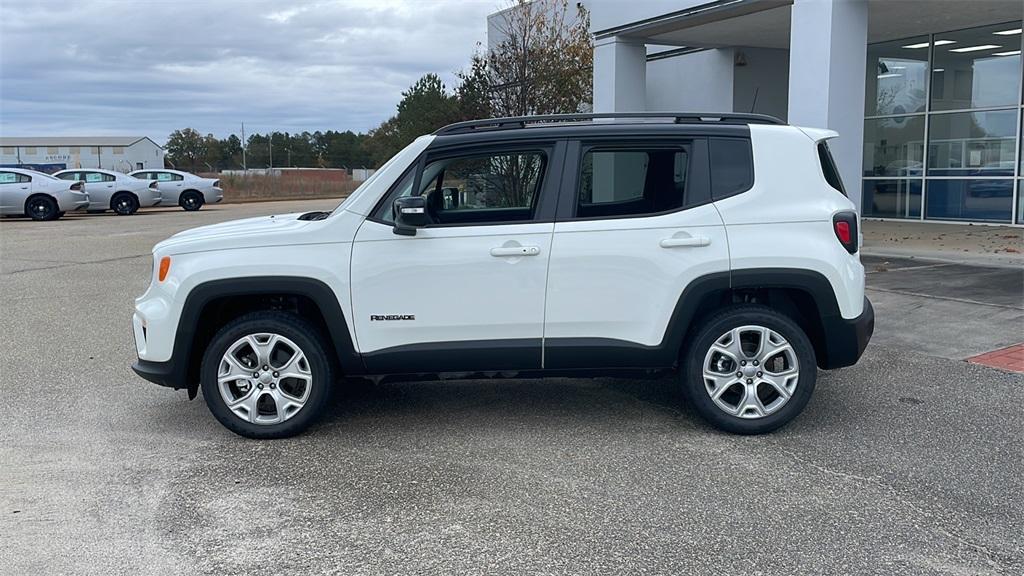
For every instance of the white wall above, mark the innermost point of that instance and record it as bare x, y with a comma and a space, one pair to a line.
143, 152
766, 74
697, 82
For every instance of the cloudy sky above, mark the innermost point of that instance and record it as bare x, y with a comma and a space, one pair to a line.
147, 67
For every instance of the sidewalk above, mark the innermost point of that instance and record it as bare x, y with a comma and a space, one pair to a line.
963, 243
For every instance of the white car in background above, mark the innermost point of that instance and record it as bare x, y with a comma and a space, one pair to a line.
110, 190
38, 195
184, 189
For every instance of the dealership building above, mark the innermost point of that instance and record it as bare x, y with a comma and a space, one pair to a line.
52, 153
925, 94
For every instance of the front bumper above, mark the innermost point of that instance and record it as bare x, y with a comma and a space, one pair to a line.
162, 373
845, 340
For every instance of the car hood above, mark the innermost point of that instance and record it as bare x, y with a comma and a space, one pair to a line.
248, 232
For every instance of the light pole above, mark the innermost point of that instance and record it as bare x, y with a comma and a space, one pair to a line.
270, 141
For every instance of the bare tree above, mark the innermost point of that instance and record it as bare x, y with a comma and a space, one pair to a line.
542, 65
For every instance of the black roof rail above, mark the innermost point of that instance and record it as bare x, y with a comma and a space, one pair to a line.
676, 117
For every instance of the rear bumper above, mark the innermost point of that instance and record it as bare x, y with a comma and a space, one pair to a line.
845, 340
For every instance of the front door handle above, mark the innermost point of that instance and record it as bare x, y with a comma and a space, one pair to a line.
515, 251
685, 241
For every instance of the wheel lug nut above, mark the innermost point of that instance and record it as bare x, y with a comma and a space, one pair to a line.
739, 374
276, 374
759, 374
255, 374
743, 362
755, 362
265, 367
260, 386
750, 380
272, 385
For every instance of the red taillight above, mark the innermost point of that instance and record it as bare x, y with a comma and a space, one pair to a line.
844, 224
153, 185
77, 186
843, 232
216, 183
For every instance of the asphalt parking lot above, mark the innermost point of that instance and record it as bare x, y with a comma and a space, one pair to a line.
908, 463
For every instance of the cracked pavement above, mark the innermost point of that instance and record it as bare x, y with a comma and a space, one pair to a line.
908, 463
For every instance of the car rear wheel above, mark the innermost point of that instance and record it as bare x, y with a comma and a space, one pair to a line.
749, 370
124, 203
266, 375
191, 201
42, 208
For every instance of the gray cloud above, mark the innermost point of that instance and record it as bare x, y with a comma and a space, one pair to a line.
149, 67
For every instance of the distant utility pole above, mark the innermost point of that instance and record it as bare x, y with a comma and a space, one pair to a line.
270, 141
243, 147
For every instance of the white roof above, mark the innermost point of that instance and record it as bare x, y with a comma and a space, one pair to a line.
72, 140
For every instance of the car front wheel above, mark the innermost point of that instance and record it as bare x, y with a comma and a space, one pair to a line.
749, 370
266, 375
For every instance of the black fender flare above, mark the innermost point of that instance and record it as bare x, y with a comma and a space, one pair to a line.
183, 372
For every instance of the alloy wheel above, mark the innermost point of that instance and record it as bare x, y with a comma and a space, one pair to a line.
751, 372
264, 378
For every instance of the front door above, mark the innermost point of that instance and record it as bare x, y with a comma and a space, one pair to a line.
466, 292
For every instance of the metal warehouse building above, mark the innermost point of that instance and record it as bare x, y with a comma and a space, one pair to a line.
52, 153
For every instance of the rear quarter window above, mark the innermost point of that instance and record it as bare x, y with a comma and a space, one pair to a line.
732, 166
829, 169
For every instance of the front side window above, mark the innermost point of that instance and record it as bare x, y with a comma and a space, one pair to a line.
632, 181
478, 189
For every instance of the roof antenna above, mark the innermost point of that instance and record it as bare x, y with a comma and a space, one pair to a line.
754, 103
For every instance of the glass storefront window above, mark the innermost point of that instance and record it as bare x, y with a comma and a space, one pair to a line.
972, 144
892, 198
897, 77
894, 146
990, 200
976, 68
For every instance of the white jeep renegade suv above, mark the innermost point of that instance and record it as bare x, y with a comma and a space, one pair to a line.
721, 247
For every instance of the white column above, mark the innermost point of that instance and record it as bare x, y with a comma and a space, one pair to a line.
620, 75
827, 55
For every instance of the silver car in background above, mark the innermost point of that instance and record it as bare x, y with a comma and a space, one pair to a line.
110, 190
38, 195
184, 189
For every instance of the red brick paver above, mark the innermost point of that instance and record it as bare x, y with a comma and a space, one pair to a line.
1010, 358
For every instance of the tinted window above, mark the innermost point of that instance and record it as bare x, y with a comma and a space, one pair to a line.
8, 177
732, 166
95, 177
144, 175
69, 176
480, 189
828, 168
632, 182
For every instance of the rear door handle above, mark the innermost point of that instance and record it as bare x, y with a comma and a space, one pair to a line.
515, 251
685, 241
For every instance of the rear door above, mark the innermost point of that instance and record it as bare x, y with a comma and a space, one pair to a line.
635, 227
14, 191
466, 292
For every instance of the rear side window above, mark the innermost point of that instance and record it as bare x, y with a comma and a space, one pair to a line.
829, 169
13, 177
633, 181
732, 167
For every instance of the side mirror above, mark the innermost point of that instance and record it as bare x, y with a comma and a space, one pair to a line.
410, 213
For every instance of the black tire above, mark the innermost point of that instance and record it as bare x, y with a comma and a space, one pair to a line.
124, 203
191, 201
697, 392
42, 208
292, 327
